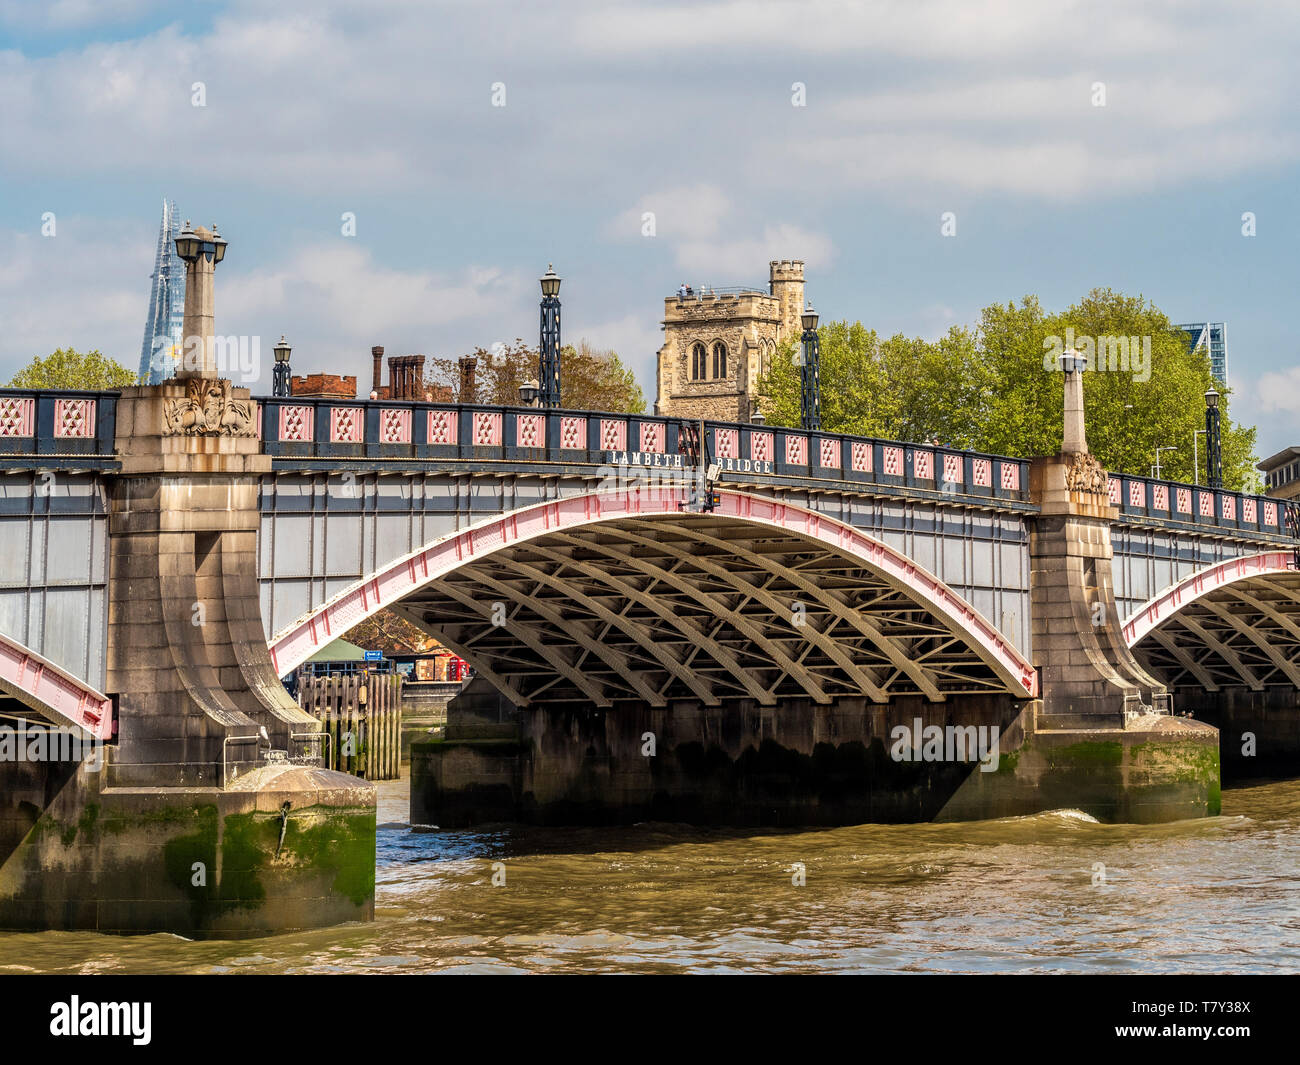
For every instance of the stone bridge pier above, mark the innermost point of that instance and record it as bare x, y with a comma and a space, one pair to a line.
210, 814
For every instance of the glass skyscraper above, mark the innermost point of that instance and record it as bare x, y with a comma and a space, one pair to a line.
163, 328
1214, 336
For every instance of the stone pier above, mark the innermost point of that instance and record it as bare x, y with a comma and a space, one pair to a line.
209, 815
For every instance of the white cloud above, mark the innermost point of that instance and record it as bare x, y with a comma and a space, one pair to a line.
727, 262
711, 237
898, 94
681, 212
1279, 390
85, 288
333, 301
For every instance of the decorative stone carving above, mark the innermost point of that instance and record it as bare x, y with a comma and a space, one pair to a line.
208, 410
1085, 474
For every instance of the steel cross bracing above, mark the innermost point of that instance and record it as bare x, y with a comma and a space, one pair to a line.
1244, 633
691, 606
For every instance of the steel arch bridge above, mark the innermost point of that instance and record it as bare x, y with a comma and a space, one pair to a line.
1235, 624
627, 595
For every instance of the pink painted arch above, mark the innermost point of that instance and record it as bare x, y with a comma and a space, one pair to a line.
1200, 584
40, 684
304, 637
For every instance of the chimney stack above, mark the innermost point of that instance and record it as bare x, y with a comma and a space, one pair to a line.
377, 353
468, 385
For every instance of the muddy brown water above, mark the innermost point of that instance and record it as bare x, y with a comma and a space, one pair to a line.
1056, 892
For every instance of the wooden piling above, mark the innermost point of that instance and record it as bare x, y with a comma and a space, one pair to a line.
370, 730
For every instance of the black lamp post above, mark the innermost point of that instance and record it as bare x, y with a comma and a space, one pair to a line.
810, 402
548, 360
1213, 442
528, 393
280, 380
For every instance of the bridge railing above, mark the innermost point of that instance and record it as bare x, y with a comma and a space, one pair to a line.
1169, 501
57, 423
747, 448
80, 426
300, 427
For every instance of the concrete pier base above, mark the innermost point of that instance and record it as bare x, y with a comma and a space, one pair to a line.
285, 847
800, 764
1259, 730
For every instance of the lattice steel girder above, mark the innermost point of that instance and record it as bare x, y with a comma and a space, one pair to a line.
719, 606
899, 657
626, 595
696, 638
1237, 624
703, 607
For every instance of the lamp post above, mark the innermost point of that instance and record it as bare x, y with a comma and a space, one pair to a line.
200, 249
1157, 469
280, 378
548, 359
810, 401
528, 393
1073, 437
1213, 444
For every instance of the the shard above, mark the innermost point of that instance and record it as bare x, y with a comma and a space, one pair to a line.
163, 328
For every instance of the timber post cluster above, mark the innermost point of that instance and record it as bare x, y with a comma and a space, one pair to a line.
361, 717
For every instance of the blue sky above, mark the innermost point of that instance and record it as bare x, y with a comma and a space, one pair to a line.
386, 110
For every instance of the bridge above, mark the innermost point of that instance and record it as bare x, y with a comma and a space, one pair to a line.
360, 490
729, 623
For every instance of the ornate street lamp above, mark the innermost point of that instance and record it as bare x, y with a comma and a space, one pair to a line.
1213, 443
280, 378
187, 244
528, 393
810, 402
190, 245
200, 249
548, 360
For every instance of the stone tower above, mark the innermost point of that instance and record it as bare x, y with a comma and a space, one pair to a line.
718, 342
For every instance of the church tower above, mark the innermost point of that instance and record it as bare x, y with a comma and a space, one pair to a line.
718, 342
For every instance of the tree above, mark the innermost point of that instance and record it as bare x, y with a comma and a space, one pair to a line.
900, 388
991, 389
591, 379
391, 633
65, 368
1158, 401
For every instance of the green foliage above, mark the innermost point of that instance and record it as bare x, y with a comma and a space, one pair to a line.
65, 368
590, 379
988, 389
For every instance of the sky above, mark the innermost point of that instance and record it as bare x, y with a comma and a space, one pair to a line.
1069, 145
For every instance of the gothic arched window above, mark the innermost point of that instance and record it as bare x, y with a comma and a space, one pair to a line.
699, 363
719, 360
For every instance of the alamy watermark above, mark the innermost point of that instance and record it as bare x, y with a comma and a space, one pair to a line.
1112, 354
234, 357
950, 743
40, 743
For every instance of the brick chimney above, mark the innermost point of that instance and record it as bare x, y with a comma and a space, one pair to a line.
377, 353
468, 384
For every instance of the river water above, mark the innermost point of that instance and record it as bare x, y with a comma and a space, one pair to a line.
1016, 895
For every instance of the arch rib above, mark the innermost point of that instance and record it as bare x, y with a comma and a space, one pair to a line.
37, 682
303, 637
